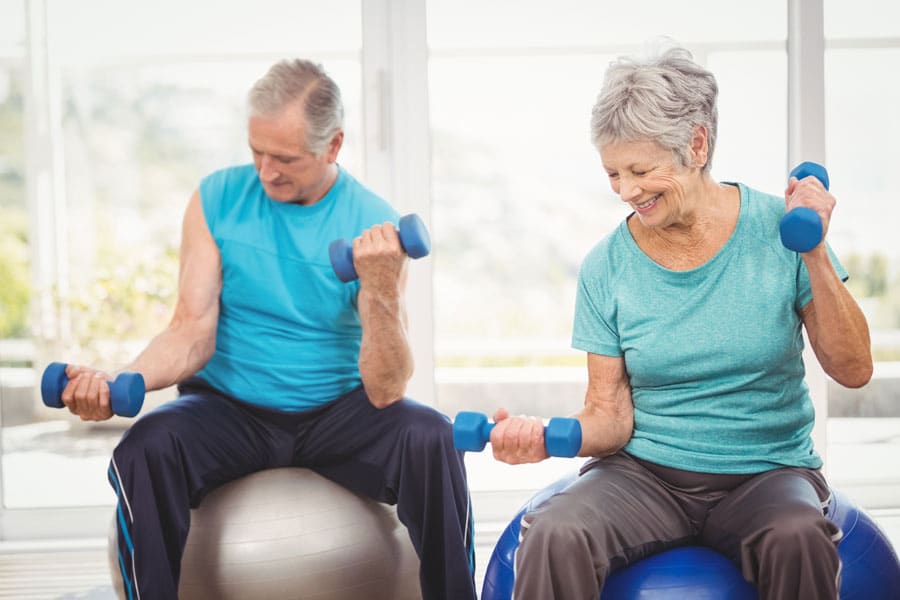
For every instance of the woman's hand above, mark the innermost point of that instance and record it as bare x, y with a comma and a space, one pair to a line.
517, 440
810, 193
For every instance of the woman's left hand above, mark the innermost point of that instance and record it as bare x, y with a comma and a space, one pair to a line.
810, 192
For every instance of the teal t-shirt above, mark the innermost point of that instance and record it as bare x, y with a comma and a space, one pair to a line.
713, 354
288, 335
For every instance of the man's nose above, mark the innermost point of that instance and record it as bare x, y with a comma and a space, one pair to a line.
268, 170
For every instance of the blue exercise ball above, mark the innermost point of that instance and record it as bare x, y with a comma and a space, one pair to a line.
870, 568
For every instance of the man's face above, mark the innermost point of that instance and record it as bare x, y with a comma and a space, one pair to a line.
288, 171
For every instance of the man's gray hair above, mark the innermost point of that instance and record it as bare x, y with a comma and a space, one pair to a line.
307, 84
662, 98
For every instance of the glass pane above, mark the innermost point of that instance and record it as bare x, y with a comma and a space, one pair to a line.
137, 129
752, 140
12, 27
862, 124
148, 30
512, 165
861, 18
466, 24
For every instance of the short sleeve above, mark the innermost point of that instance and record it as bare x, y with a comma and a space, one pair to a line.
804, 289
594, 329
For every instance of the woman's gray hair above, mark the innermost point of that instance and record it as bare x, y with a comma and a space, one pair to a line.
662, 98
304, 82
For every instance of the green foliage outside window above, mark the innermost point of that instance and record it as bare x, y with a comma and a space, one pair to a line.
15, 287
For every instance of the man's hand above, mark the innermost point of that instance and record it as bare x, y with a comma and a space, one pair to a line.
87, 393
379, 258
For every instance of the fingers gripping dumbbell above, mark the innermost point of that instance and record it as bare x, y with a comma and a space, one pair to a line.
413, 237
801, 227
472, 430
126, 392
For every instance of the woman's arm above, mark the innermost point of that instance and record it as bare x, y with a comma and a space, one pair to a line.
607, 418
836, 326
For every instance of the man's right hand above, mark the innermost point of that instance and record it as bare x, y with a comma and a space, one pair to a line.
87, 393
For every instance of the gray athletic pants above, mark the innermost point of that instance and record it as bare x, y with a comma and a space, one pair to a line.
622, 509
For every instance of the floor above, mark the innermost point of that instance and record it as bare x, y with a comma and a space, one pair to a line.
862, 463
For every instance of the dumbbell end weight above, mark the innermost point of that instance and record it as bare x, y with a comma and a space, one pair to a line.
127, 394
809, 168
414, 236
471, 431
53, 381
341, 254
801, 229
562, 437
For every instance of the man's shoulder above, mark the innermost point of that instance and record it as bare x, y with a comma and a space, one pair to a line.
229, 183
364, 198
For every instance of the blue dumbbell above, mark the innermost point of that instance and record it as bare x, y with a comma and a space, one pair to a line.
414, 239
126, 392
801, 227
472, 430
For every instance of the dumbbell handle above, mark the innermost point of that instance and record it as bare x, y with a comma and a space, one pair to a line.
801, 227
414, 239
126, 392
562, 436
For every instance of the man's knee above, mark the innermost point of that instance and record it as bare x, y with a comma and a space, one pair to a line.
424, 427
151, 438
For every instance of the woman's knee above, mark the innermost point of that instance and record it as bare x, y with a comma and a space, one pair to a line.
800, 530
547, 531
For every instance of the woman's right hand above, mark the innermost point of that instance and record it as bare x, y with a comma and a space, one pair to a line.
517, 440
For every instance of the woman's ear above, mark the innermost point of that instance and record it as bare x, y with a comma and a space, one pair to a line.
699, 147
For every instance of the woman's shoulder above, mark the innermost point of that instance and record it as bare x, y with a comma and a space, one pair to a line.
761, 211
609, 251
759, 203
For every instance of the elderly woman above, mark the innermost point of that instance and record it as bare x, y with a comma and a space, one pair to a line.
696, 416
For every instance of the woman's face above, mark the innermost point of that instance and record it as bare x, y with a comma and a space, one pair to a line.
650, 179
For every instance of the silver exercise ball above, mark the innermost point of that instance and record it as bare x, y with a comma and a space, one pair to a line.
291, 533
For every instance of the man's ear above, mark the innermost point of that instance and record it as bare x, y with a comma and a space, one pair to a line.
334, 146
